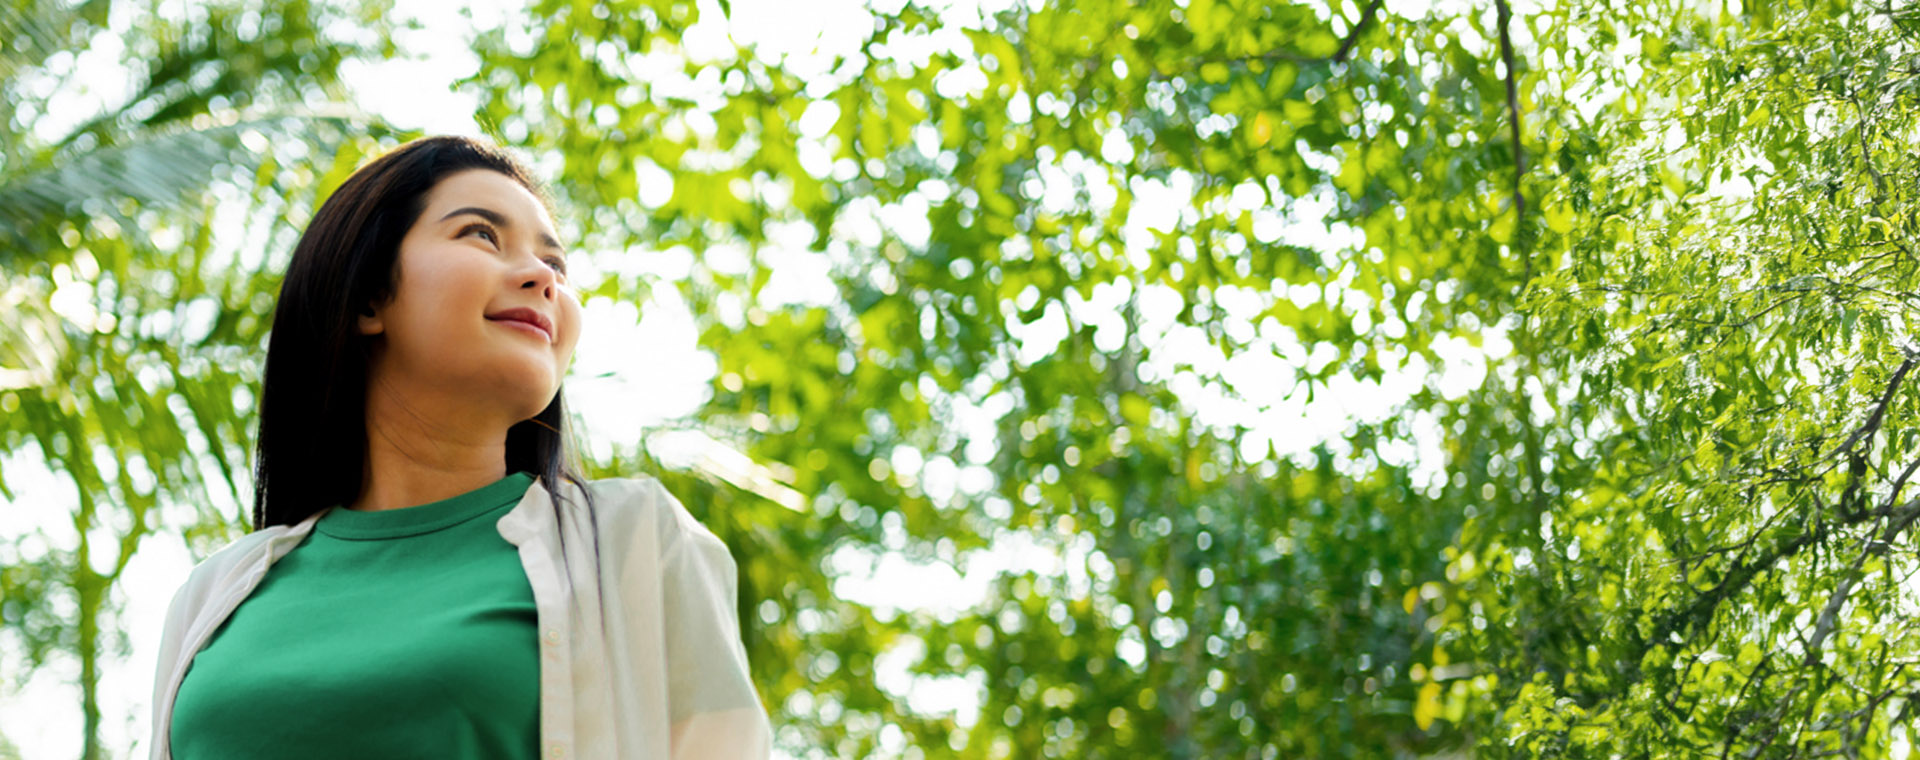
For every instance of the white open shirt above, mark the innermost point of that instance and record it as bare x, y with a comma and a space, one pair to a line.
640, 649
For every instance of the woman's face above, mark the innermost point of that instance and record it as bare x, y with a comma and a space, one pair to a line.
483, 251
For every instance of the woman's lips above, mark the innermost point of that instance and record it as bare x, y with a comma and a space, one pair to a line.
526, 327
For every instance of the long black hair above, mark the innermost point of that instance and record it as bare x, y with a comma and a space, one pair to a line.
312, 447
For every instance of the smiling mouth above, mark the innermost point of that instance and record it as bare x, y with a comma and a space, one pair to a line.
526, 327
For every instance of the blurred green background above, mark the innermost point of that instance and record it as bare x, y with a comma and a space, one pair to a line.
1160, 378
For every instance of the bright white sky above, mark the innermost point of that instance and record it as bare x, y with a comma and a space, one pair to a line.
659, 374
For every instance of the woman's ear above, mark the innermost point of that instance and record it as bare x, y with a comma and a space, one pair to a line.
370, 323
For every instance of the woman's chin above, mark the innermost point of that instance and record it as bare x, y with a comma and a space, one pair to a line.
529, 392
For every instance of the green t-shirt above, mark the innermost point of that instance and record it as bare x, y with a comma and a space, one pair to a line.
406, 633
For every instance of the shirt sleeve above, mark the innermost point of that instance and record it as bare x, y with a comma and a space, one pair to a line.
179, 616
714, 711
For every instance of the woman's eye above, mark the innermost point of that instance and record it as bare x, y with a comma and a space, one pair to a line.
558, 264
482, 229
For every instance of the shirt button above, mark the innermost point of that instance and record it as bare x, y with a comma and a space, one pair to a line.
555, 750
553, 637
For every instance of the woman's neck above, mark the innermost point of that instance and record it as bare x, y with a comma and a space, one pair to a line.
419, 453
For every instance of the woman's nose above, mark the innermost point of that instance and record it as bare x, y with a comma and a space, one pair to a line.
542, 277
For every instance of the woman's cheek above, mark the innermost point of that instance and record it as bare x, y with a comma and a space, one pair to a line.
575, 317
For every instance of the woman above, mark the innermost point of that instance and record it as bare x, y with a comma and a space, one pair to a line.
428, 575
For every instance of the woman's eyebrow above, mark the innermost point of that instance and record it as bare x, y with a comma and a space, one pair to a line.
498, 220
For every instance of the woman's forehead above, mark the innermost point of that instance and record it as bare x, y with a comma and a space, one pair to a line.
487, 189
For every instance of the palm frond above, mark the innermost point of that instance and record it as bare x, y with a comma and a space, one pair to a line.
36, 29
155, 169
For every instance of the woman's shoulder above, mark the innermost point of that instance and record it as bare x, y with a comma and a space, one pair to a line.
239, 550
625, 504
219, 568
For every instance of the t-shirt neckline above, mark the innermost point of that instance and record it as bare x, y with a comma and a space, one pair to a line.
425, 518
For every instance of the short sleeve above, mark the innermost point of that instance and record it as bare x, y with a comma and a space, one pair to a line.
714, 711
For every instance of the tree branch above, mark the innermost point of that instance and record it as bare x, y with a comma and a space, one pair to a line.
1513, 124
1353, 35
1872, 424
1899, 519
1897, 523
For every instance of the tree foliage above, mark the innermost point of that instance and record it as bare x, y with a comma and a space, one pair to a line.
1608, 303
973, 187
